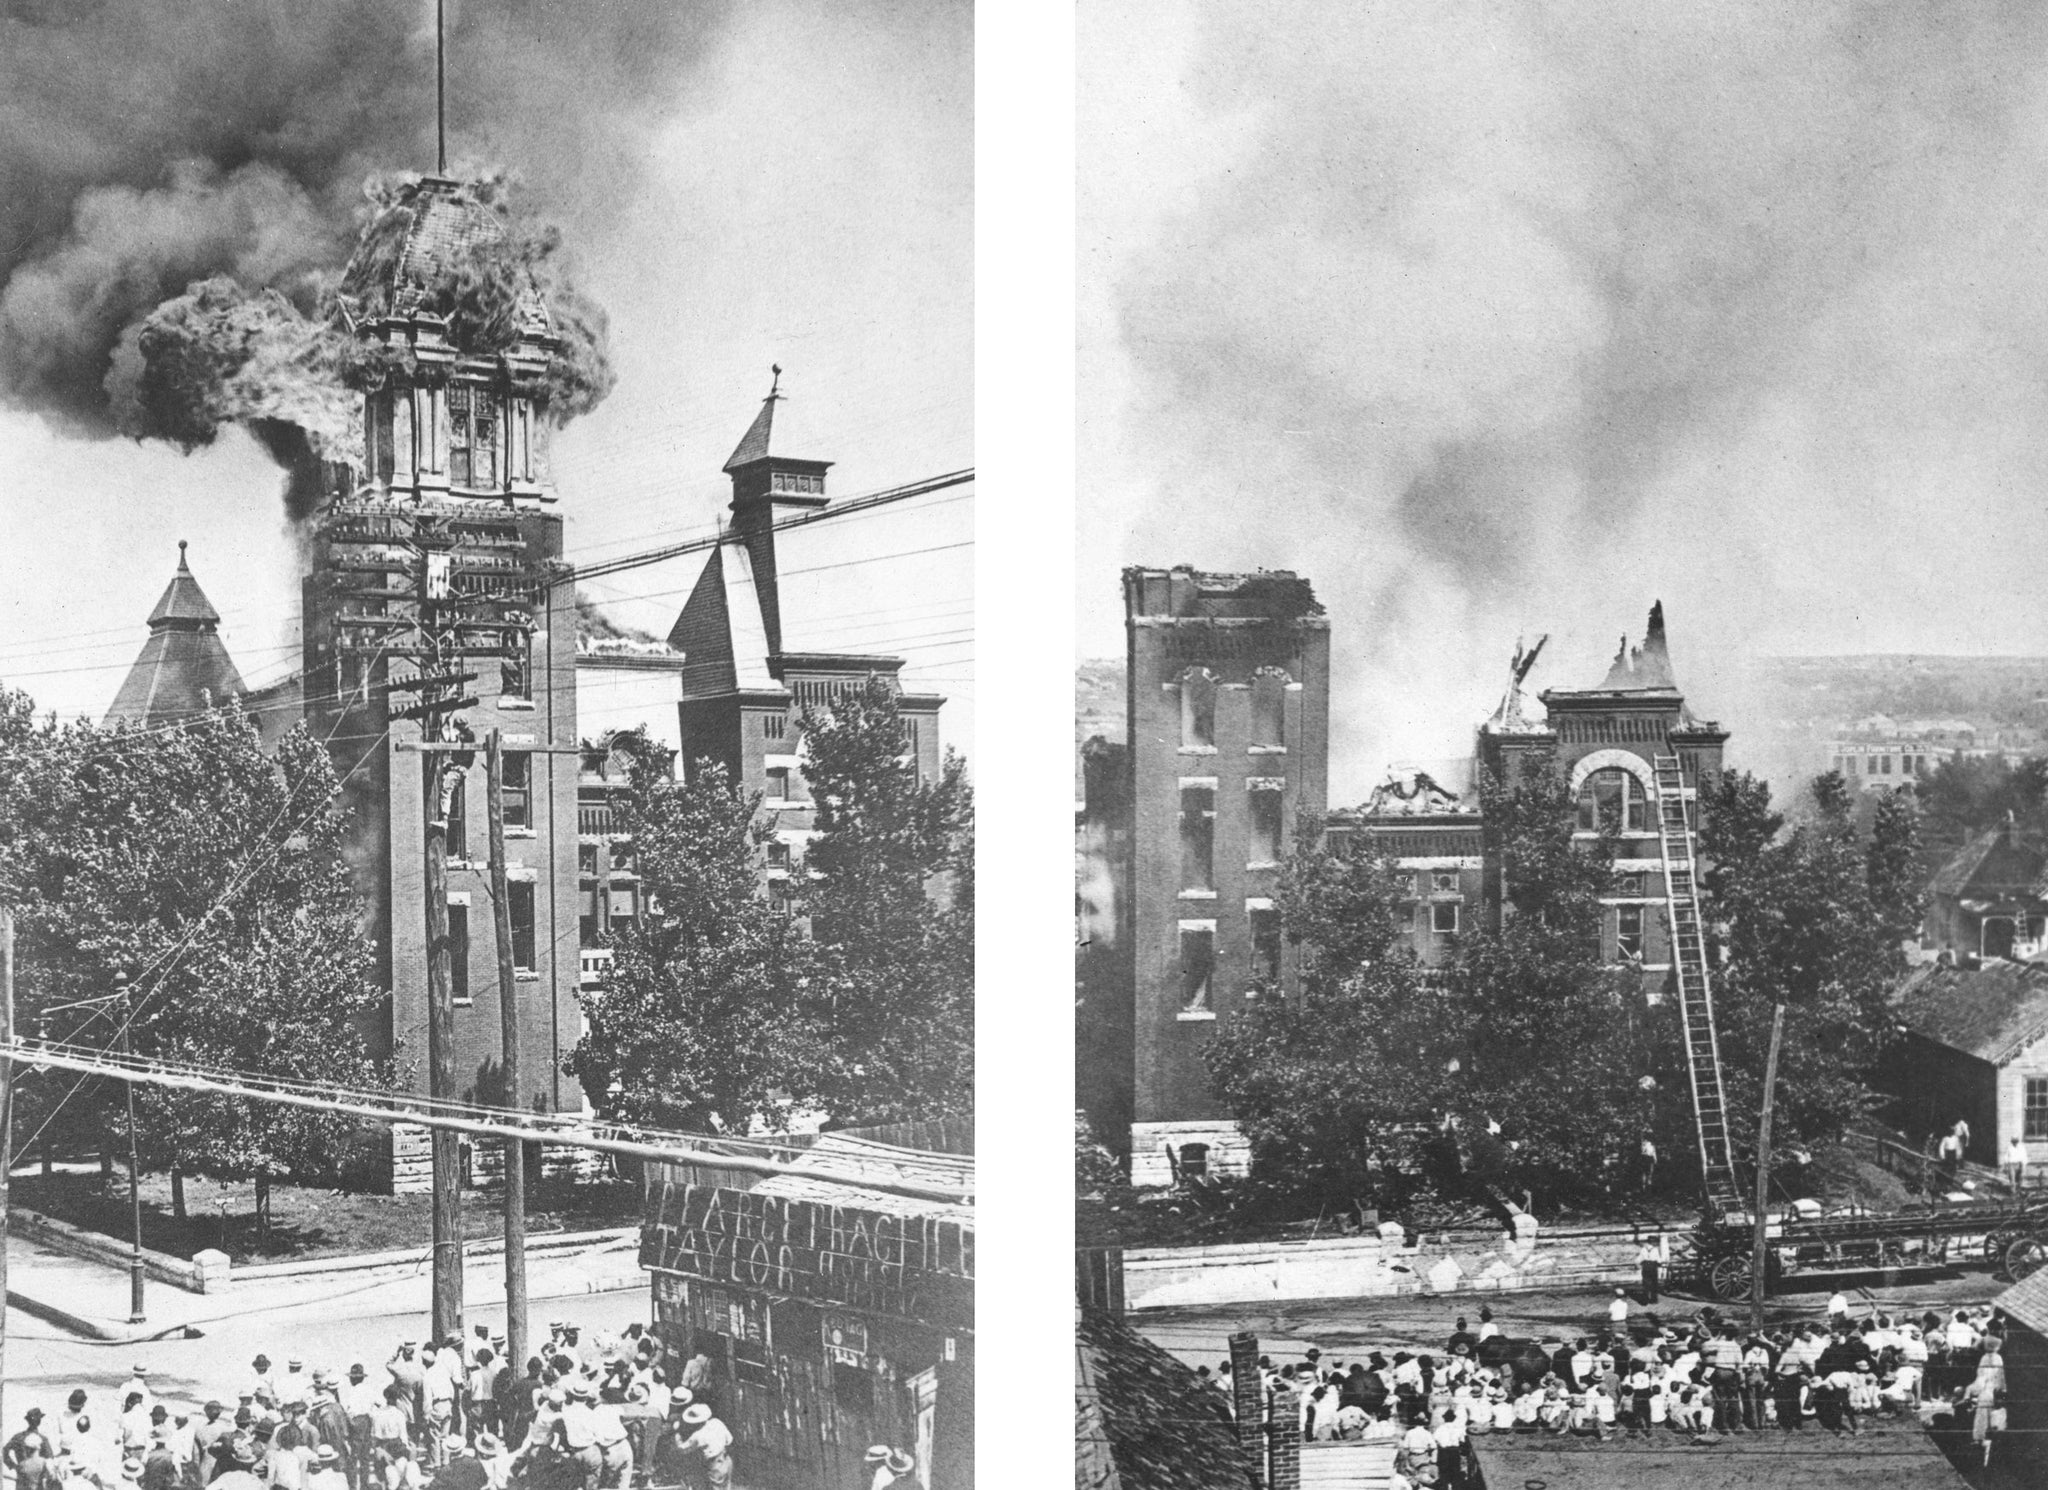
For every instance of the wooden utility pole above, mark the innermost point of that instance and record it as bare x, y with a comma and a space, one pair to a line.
6, 1120
1760, 1248
440, 88
508, 1022
447, 1178
124, 1006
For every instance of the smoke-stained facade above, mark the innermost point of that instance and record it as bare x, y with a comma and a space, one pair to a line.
1227, 743
454, 451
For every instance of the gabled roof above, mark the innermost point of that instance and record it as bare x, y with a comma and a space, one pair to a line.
721, 629
1991, 864
1144, 1421
183, 669
1992, 1012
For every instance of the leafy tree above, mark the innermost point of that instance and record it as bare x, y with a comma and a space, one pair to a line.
890, 899
1325, 1086
1811, 918
1963, 796
212, 874
705, 1018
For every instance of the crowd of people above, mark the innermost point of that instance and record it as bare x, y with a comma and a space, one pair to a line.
1699, 1380
601, 1412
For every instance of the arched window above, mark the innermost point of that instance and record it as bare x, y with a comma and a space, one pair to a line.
1269, 708
1613, 799
1197, 709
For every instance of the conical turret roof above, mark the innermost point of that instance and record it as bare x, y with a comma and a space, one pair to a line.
184, 668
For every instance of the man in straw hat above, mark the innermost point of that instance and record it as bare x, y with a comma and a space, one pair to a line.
703, 1434
325, 1473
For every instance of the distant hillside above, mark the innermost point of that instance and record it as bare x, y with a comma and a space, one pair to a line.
1099, 700
1986, 690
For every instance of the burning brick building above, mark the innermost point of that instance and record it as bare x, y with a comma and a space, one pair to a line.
1184, 828
1228, 740
453, 482
1605, 741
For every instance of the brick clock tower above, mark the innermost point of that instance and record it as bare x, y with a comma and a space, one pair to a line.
453, 456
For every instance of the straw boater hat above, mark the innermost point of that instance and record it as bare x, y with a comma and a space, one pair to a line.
487, 1443
680, 1398
878, 1453
901, 1463
582, 1389
328, 1454
697, 1412
131, 1469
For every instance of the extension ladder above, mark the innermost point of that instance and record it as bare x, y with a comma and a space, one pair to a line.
1695, 1000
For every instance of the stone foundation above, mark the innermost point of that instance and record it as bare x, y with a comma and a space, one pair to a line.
1228, 1153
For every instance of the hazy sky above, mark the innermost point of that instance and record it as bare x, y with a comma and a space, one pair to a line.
1512, 318
774, 181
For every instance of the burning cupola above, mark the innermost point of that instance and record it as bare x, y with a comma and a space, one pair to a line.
456, 346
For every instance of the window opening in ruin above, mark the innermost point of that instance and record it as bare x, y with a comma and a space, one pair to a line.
1198, 838
778, 784
1628, 933
458, 819
772, 726
1443, 917
458, 952
1444, 881
2037, 1107
1269, 708
1198, 709
1267, 825
472, 437
1613, 799
518, 789
586, 859
1197, 967
515, 667
1194, 1161
1265, 925
522, 924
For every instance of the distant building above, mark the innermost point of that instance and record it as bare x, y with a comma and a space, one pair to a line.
1973, 1046
1184, 834
2023, 1448
184, 668
1990, 900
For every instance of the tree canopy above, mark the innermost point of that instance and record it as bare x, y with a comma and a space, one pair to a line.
706, 1018
1528, 1061
889, 892
211, 874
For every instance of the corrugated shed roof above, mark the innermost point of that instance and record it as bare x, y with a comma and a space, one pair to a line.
1144, 1421
1896, 1454
1992, 1012
2027, 1301
843, 1157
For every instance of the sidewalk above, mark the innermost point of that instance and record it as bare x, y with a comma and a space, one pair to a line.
90, 1300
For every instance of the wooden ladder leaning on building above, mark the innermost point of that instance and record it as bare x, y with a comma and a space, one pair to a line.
1695, 999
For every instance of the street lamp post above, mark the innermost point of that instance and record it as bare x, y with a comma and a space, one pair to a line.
135, 1268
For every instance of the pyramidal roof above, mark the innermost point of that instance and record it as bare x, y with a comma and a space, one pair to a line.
424, 239
184, 668
759, 442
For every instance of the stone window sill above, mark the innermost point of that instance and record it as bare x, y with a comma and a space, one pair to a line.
515, 705
1198, 895
1196, 1016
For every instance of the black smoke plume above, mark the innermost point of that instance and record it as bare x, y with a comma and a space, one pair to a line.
182, 181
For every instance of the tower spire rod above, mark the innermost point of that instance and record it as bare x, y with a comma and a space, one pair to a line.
440, 89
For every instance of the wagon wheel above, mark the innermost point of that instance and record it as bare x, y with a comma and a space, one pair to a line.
1730, 1278
1998, 1244
2023, 1257
1891, 1253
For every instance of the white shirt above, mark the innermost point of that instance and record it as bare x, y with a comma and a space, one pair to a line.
1488, 1330
1617, 1312
711, 1440
1839, 1304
